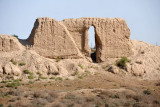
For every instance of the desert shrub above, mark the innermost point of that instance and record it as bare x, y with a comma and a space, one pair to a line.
52, 78
17, 80
59, 78
80, 65
75, 73
115, 96
6, 81
13, 84
87, 71
147, 92
41, 77
122, 62
80, 77
15, 35
58, 59
30, 82
22, 63
67, 79
13, 61
26, 71
31, 76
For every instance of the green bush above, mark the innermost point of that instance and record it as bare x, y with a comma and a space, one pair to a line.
59, 78
58, 59
67, 79
80, 77
31, 76
74, 74
13, 61
147, 92
22, 63
80, 65
122, 62
52, 78
6, 81
15, 83
15, 35
40, 77
87, 71
115, 96
26, 71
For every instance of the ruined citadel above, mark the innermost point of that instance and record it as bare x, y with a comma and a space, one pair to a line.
69, 38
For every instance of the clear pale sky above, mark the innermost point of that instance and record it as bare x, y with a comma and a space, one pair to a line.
142, 16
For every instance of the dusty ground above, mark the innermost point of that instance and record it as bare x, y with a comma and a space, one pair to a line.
30, 80
102, 89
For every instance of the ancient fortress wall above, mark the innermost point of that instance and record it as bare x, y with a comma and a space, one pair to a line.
111, 35
9, 43
69, 38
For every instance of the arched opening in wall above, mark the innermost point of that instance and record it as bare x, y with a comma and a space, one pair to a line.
92, 43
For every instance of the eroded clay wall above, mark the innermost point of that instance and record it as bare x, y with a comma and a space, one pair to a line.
69, 38
9, 43
51, 39
112, 36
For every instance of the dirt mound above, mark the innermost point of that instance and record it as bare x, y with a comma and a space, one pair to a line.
145, 61
23, 62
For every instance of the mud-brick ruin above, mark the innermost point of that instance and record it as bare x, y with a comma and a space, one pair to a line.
69, 38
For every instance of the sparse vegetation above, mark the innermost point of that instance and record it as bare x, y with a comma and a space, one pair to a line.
41, 77
22, 64
30, 82
13, 61
115, 96
67, 79
106, 67
26, 71
87, 71
14, 83
147, 92
80, 65
80, 77
58, 59
52, 78
31, 75
15, 35
59, 78
6, 81
122, 62
75, 73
